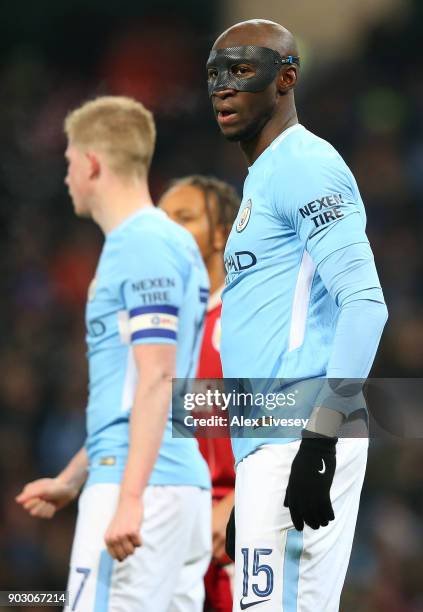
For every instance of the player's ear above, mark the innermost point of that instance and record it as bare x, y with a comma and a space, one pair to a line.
94, 164
287, 79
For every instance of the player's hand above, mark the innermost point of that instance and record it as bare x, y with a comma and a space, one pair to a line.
220, 517
230, 536
308, 492
123, 534
43, 497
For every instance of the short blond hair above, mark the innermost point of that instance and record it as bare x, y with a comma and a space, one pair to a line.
122, 128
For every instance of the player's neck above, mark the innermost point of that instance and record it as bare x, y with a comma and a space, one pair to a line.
119, 203
216, 271
254, 148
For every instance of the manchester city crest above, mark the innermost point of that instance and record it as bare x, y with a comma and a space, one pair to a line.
245, 217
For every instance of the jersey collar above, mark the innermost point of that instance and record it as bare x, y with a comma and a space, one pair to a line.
276, 142
145, 210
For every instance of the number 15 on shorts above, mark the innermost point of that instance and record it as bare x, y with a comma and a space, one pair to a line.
257, 577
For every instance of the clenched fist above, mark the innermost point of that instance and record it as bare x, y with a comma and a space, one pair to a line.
43, 497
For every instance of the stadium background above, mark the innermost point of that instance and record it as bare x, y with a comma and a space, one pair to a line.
361, 88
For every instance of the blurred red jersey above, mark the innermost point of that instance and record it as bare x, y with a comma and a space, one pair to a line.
216, 451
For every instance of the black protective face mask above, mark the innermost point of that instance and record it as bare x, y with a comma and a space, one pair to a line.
266, 63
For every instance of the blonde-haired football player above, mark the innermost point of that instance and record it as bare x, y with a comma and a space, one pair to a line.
142, 538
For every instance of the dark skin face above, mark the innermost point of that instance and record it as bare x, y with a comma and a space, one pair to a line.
256, 119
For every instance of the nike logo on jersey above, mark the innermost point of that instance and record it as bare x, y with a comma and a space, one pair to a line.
244, 606
323, 470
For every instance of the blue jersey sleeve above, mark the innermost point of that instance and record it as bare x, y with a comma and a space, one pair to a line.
319, 200
351, 278
325, 211
152, 289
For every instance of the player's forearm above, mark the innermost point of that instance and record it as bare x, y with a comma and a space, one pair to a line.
358, 332
147, 424
75, 473
228, 500
351, 278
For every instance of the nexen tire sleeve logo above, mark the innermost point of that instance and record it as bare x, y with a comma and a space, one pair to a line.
323, 211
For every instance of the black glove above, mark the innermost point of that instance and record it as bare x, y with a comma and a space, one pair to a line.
230, 536
307, 494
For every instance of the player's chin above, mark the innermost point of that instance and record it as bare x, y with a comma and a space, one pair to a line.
240, 132
233, 134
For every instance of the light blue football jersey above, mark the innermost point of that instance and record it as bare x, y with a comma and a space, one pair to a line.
150, 287
300, 204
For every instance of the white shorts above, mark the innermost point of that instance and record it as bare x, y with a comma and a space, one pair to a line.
277, 566
164, 575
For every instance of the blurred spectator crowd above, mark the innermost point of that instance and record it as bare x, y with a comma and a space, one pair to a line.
369, 107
